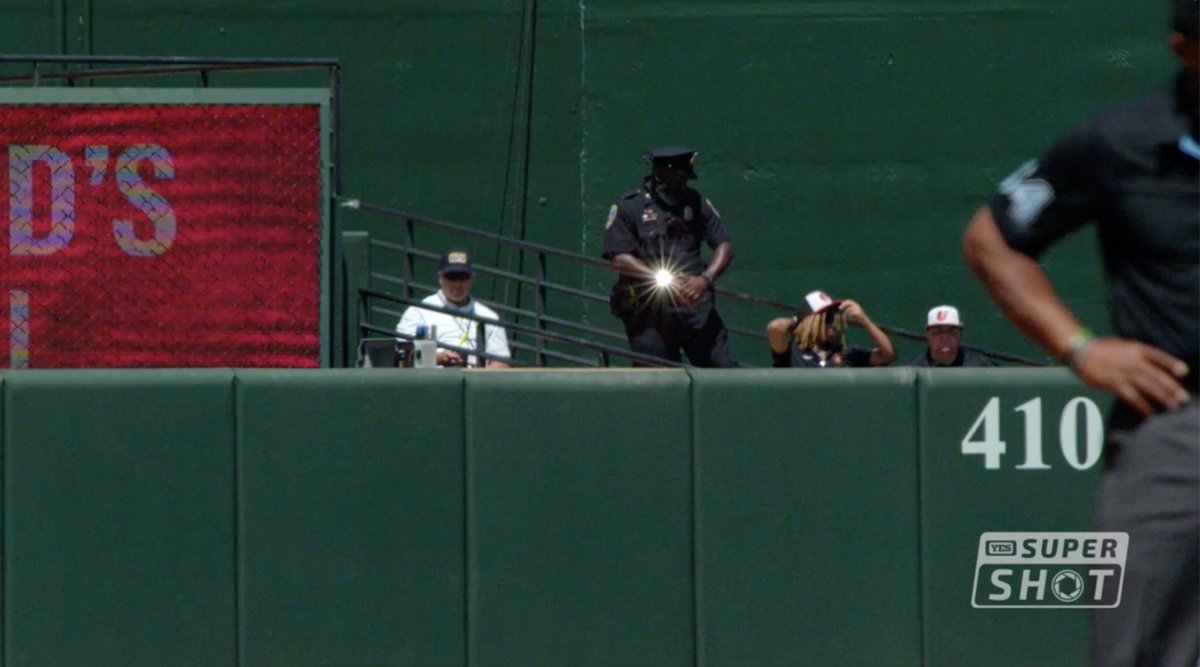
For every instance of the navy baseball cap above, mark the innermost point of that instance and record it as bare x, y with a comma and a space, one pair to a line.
681, 160
456, 262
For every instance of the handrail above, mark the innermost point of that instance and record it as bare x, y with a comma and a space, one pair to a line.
530, 331
155, 66
500, 273
466, 352
174, 60
550, 319
355, 204
149, 71
542, 250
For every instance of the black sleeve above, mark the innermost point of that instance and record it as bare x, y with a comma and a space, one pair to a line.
620, 233
975, 360
857, 356
714, 229
1050, 197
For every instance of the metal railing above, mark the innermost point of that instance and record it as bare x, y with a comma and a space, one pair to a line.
540, 282
134, 66
604, 353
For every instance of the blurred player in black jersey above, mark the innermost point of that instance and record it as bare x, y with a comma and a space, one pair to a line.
1132, 172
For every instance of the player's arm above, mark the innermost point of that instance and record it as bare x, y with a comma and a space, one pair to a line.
1137, 374
779, 334
883, 353
1018, 286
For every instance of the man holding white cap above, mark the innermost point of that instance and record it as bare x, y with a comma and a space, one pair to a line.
943, 333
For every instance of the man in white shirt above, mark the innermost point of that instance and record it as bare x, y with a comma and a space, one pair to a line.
459, 329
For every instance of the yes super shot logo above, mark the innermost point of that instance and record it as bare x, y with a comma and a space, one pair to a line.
1049, 570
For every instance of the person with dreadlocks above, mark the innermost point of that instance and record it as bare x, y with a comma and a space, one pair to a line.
815, 337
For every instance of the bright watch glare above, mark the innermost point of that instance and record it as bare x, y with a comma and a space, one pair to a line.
664, 281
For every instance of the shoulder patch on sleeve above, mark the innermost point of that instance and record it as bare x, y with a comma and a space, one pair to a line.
1028, 196
612, 215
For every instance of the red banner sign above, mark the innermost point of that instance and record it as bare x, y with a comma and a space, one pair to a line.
160, 236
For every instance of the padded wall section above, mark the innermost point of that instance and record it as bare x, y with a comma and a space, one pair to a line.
961, 498
579, 518
118, 518
351, 523
443, 517
806, 539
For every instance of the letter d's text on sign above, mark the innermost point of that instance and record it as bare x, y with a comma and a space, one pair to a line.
157, 235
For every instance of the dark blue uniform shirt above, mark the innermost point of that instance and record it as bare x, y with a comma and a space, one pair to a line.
643, 225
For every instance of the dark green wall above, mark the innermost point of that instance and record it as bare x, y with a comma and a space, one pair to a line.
806, 518
119, 504
845, 143
444, 517
350, 538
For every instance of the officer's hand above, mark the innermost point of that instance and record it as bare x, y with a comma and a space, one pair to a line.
1141, 376
689, 289
449, 358
854, 313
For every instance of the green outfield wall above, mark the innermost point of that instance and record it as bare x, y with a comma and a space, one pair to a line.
845, 143
575, 518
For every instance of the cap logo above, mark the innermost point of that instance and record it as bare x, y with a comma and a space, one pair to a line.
456, 258
943, 316
818, 301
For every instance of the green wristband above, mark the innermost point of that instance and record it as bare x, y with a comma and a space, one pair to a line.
1077, 347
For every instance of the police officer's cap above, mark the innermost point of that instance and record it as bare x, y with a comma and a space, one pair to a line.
682, 160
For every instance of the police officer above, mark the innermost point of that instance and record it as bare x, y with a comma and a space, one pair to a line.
1134, 173
665, 292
